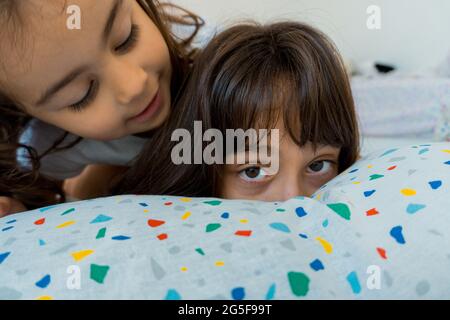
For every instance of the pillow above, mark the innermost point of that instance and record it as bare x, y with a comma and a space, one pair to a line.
378, 230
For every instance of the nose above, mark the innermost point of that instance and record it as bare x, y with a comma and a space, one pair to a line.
129, 82
292, 189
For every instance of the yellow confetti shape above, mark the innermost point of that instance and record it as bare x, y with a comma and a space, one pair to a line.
44, 298
220, 263
318, 196
80, 255
185, 199
446, 150
243, 221
146, 210
325, 244
356, 182
186, 215
65, 224
408, 192
370, 166
184, 269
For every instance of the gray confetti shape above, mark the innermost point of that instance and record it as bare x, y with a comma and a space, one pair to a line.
126, 201
189, 225
227, 246
201, 282
30, 231
157, 270
388, 279
252, 210
174, 250
179, 208
422, 288
288, 244
435, 232
9, 294
63, 249
411, 171
10, 241
21, 272
397, 159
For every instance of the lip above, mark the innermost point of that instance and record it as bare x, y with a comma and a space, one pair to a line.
150, 110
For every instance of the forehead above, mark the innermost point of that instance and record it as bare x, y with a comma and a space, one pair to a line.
45, 48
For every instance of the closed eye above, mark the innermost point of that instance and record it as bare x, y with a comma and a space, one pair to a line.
130, 42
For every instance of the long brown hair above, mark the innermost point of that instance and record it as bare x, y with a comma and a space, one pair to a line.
249, 76
29, 186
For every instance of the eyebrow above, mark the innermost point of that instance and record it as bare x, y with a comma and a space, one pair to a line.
49, 93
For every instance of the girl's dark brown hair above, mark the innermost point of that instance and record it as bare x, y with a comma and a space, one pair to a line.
248, 77
29, 186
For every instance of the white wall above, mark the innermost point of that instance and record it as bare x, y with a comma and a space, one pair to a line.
414, 34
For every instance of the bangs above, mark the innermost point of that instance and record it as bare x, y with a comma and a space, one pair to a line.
257, 90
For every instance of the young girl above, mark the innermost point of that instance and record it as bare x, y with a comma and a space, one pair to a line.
79, 96
287, 76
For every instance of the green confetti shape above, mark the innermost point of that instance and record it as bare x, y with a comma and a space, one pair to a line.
212, 226
299, 283
213, 202
98, 273
101, 233
341, 209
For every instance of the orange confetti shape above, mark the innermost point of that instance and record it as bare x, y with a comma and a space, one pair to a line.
39, 222
372, 212
155, 223
392, 168
244, 233
162, 236
167, 203
382, 253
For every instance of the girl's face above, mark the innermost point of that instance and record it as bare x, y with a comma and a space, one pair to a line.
109, 79
301, 172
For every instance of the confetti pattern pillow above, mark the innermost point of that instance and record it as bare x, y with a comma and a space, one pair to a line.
379, 230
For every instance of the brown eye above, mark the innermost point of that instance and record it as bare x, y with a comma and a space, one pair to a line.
321, 166
253, 174
316, 166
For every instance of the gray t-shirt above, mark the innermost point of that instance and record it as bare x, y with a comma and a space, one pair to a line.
71, 162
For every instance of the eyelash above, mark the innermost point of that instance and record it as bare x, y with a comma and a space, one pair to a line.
126, 46
131, 41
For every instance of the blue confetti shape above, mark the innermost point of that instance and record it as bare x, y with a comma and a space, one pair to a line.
280, 227
352, 278
101, 218
44, 282
317, 265
413, 208
172, 294
435, 184
225, 215
369, 193
300, 212
3, 256
238, 293
271, 292
120, 238
396, 233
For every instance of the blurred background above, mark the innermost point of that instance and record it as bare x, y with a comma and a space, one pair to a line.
397, 53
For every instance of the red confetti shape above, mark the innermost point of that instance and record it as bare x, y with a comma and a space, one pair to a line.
382, 253
162, 236
168, 203
392, 168
39, 222
244, 233
372, 212
155, 223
